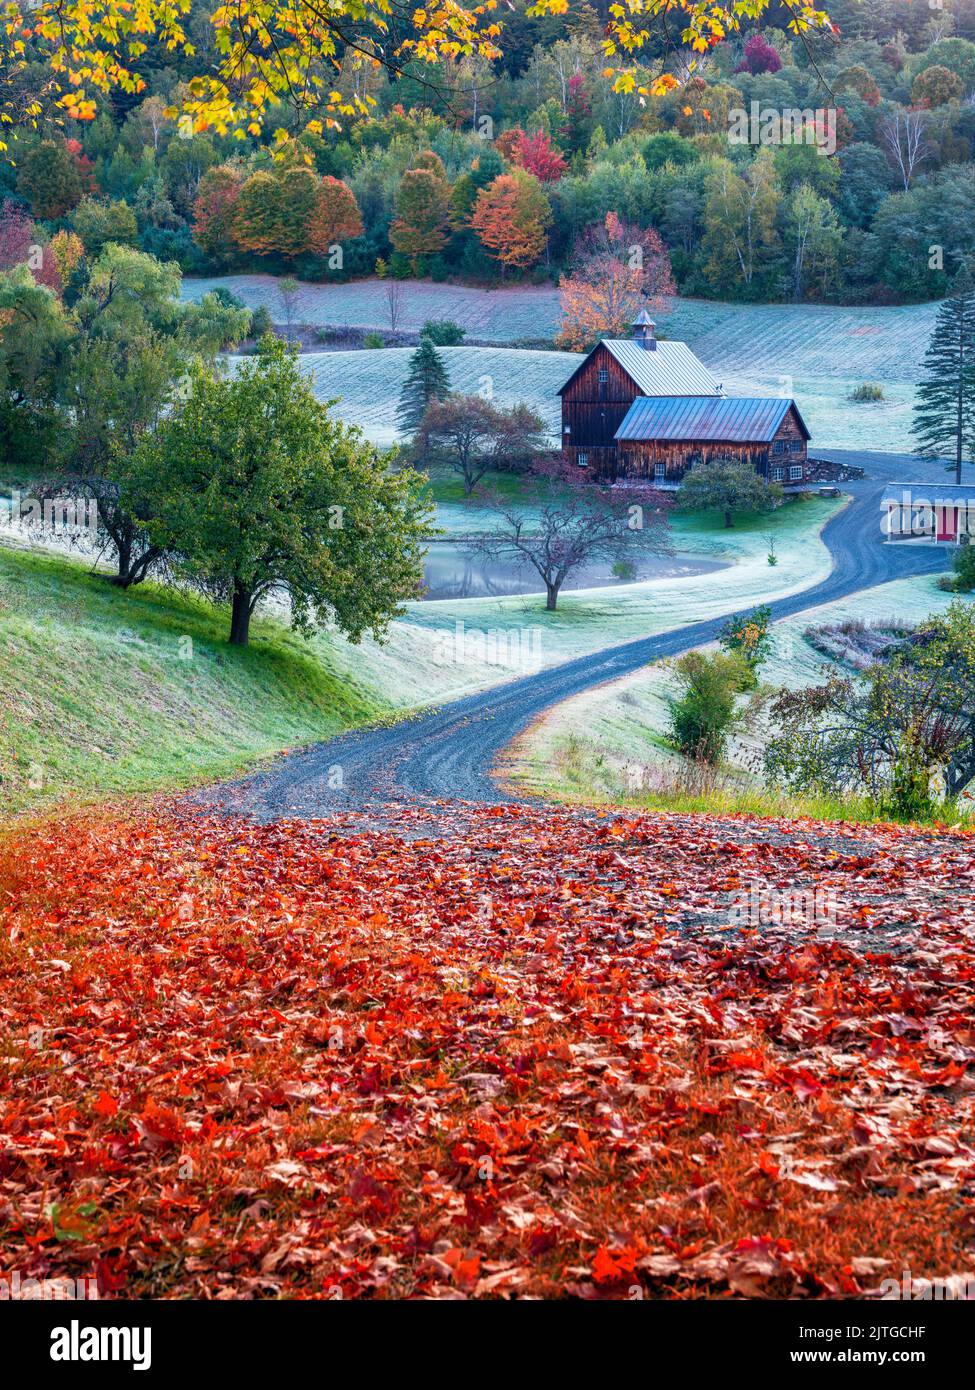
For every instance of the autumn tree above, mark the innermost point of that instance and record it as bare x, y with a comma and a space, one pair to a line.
21, 244
511, 218
259, 490
577, 129
291, 211
215, 209
936, 86
759, 56
335, 216
471, 436
285, 56
618, 269
538, 156
422, 219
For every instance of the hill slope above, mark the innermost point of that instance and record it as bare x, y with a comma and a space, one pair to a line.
104, 692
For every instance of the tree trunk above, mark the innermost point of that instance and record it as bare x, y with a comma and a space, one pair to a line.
551, 596
123, 547
727, 517
240, 615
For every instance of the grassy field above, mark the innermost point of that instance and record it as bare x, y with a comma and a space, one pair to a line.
366, 386
103, 692
367, 383
610, 745
817, 353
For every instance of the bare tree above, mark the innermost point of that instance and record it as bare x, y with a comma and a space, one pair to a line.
394, 301
288, 291
558, 524
904, 135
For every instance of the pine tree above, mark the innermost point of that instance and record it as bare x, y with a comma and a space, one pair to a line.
427, 380
944, 415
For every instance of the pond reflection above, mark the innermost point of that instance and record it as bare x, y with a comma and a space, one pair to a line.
451, 571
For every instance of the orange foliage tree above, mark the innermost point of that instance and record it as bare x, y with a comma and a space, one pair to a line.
292, 211
511, 217
215, 208
422, 212
618, 270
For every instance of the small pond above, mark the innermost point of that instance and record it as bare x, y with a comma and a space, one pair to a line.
450, 571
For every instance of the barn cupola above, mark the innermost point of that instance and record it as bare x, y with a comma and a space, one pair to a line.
643, 326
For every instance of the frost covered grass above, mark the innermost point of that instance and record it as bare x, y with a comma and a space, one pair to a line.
410, 670
609, 745
818, 353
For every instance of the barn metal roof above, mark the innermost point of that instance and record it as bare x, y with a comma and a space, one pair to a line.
725, 419
669, 369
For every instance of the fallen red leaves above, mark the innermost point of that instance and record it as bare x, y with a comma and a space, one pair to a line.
534, 1057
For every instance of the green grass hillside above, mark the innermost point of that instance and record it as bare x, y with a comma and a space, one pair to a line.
105, 692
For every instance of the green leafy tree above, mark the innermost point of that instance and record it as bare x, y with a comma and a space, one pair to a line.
726, 486
99, 375
419, 230
749, 635
49, 178
34, 338
944, 413
259, 490
98, 223
443, 332
964, 568
427, 380
814, 239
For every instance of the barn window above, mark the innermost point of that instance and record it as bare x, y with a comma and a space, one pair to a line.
583, 460
660, 470
603, 376
779, 446
796, 446
795, 472
778, 474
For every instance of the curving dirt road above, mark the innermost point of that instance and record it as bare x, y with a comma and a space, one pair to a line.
448, 753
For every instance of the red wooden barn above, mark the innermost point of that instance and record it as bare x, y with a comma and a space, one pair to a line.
641, 408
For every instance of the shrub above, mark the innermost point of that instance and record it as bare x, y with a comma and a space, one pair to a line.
261, 321
867, 391
703, 715
964, 566
749, 637
373, 340
443, 332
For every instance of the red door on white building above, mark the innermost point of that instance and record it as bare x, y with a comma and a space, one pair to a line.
947, 523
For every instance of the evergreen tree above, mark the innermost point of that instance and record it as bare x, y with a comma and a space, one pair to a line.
427, 380
944, 415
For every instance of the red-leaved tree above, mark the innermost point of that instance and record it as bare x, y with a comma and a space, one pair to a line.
760, 56
538, 155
